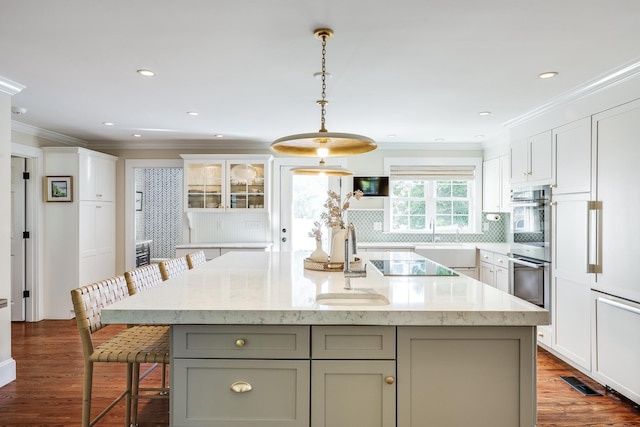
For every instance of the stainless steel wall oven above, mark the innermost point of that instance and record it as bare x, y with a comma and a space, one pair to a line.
530, 255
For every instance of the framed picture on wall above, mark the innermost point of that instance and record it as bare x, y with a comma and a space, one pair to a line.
58, 188
138, 200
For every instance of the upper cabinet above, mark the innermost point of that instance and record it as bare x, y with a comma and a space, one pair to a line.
496, 187
531, 160
572, 149
223, 183
97, 177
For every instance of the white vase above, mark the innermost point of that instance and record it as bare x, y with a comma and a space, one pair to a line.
337, 244
319, 255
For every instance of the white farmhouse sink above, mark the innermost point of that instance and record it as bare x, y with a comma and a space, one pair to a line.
449, 254
340, 298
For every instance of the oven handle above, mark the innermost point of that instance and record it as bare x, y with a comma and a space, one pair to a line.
527, 263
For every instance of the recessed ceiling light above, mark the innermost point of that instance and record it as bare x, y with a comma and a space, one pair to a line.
219, 135
193, 113
548, 74
108, 123
146, 73
391, 136
136, 135
439, 140
479, 136
484, 113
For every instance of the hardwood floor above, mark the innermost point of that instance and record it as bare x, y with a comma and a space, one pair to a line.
49, 387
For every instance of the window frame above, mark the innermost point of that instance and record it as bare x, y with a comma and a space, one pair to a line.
475, 208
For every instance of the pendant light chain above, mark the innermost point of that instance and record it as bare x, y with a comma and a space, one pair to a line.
323, 101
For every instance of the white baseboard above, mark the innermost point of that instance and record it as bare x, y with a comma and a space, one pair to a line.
7, 371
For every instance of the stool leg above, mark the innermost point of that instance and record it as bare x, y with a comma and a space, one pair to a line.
129, 391
135, 390
86, 393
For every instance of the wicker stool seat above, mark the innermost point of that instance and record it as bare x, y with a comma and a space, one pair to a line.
196, 258
147, 344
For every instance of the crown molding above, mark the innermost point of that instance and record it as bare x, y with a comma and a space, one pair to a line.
605, 81
237, 145
432, 146
47, 134
9, 86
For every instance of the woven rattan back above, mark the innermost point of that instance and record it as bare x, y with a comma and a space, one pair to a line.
173, 267
143, 278
88, 302
196, 258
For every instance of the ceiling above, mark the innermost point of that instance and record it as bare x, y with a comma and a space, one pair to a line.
403, 71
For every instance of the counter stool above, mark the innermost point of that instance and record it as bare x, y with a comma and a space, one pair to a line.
142, 278
196, 258
173, 267
134, 345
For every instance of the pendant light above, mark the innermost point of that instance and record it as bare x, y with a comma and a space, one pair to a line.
321, 169
323, 143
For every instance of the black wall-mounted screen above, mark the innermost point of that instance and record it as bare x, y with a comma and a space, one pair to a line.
372, 186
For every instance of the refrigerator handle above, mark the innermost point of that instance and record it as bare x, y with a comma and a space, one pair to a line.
594, 247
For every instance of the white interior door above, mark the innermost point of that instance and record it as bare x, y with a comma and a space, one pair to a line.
302, 199
17, 241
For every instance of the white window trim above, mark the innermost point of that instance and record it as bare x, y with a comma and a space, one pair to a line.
476, 218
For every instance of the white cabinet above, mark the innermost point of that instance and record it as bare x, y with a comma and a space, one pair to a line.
97, 176
79, 243
616, 344
496, 185
572, 157
494, 270
531, 160
218, 183
570, 281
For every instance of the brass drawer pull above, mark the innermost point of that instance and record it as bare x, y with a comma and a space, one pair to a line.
240, 342
241, 387
389, 380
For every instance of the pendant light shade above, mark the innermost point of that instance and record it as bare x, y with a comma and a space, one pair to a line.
323, 143
321, 169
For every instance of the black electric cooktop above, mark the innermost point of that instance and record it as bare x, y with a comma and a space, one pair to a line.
411, 267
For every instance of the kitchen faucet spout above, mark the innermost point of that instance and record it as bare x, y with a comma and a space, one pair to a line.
350, 250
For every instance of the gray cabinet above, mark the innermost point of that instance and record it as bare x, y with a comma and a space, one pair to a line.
466, 376
354, 385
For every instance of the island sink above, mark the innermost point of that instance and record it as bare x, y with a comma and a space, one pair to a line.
343, 298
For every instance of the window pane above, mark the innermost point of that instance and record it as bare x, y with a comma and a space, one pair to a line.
418, 208
400, 207
443, 207
443, 221
400, 222
417, 191
460, 189
417, 222
462, 221
461, 208
443, 189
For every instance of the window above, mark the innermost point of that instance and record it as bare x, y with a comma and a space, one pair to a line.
444, 194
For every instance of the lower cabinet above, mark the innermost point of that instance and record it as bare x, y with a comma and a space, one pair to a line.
344, 376
466, 376
494, 270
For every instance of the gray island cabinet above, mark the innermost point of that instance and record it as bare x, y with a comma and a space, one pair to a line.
252, 345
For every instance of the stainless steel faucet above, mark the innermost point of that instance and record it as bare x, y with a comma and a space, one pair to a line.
432, 225
348, 272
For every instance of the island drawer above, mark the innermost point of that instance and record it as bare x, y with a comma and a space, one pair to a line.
240, 341
353, 342
240, 393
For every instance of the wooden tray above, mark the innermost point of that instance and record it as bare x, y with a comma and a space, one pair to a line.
330, 266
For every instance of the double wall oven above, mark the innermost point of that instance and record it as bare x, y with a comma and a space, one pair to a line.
530, 255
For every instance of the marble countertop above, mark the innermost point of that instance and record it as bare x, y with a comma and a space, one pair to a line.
274, 288
208, 245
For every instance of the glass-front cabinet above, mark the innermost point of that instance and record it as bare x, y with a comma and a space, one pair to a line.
219, 183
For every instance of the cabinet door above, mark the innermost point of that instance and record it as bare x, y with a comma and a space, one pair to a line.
96, 177
204, 185
87, 244
571, 300
486, 273
105, 240
105, 179
617, 346
572, 148
540, 160
247, 185
466, 376
501, 278
519, 161
347, 393
240, 393
505, 184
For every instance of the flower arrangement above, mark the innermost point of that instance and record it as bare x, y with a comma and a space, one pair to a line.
334, 215
316, 231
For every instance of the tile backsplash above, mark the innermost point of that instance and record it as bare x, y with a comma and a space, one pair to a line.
492, 231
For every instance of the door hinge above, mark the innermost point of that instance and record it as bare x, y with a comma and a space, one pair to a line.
25, 175
26, 235
25, 294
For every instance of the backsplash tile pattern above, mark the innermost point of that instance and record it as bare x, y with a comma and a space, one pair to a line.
493, 231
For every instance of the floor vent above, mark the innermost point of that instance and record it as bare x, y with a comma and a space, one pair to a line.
580, 386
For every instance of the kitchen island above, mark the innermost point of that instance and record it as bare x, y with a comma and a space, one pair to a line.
257, 340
